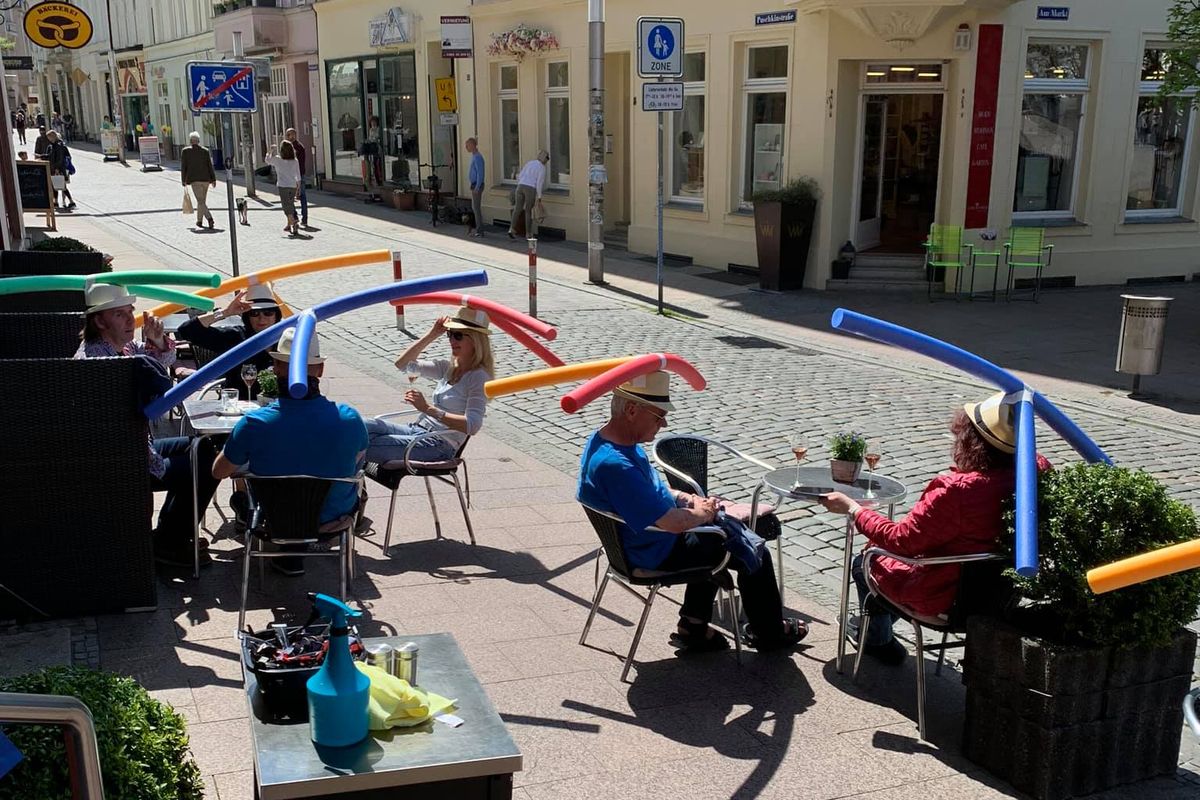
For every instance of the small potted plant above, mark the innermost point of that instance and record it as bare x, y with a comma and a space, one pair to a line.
846, 451
268, 387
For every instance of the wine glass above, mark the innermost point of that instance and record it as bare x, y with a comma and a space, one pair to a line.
249, 376
872, 459
412, 371
799, 450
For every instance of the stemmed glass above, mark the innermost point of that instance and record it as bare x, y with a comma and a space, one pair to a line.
249, 376
412, 371
799, 450
872, 459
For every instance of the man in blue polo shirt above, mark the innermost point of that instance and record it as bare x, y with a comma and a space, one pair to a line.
615, 476
307, 436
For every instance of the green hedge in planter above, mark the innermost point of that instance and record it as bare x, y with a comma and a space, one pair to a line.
61, 244
798, 191
143, 743
1090, 515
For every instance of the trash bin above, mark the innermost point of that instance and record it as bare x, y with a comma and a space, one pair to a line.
1143, 325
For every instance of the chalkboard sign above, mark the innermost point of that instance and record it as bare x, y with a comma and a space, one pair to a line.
34, 179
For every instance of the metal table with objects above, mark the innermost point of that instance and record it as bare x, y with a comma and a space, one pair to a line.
806, 484
474, 761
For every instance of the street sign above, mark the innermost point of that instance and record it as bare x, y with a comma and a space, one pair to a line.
448, 119
222, 86
662, 96
447, 95
456, 37
660, 47
18, 62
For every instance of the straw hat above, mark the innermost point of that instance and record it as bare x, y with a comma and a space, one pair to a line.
469, 319
652, 389
103, 296
284, 353
260, 296
993, 418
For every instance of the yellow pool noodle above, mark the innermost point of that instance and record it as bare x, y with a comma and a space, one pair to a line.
550, 376
1145, 567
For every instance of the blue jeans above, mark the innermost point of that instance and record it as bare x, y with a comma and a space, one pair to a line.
879, 632
303, 202
175, 522
387, 441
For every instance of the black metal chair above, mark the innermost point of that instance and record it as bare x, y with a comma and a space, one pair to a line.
627, 576
390, 474
982, 588
40, 334
287, 512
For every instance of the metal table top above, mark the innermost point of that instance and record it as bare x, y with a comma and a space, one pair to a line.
205, 419
289, 765
816, 481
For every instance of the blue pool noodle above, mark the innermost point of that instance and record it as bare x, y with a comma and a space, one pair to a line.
306, 324
1025, 541
266, 338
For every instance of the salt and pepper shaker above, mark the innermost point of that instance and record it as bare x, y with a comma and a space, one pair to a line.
383, 656
406, 662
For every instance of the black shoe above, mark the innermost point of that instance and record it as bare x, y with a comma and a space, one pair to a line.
210, 223
292, 566
891, 654
240, 503
179, 554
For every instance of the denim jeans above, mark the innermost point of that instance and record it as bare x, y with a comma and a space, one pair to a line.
303, 202
387, 441
175, 521
879, 632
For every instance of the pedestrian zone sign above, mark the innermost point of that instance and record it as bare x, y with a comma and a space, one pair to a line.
221, 86
660, 47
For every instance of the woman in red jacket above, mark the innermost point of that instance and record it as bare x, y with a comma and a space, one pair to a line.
958, 513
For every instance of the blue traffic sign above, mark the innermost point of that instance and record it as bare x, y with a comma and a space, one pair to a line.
660, 47
661, 42
221, 86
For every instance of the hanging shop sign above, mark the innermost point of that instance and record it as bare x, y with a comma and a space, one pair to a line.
52, 25
394, 27
983, 125
456, 37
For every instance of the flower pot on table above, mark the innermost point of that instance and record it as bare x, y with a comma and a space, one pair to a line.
844, 471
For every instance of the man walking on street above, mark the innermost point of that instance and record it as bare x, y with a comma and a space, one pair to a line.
41, 145
302, 162
196, 170
475, 177
19, 123
531, 182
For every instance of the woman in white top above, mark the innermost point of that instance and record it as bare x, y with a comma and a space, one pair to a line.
287, 180
458, 399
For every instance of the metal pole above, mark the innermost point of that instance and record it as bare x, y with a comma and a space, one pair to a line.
82, 751
596, 174
233, 248
112, 74
246, 143
532, 242
398, 275
659, 260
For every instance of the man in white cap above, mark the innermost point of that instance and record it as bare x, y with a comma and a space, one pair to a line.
615, 476
307, 436
258, 310
196, 170
108, 331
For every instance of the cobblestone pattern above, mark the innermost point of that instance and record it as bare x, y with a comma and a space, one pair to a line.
85, 637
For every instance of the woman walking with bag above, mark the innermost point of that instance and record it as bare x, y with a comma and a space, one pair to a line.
287, 180
60, 167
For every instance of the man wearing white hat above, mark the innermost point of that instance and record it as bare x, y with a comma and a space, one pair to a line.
196, 171
615, 476
108, 332
307, 436
259, 310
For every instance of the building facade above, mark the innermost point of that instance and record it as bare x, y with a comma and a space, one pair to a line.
983, 114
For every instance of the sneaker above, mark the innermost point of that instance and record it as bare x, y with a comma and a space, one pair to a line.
240, 503
291, 566
179, 554
891, 654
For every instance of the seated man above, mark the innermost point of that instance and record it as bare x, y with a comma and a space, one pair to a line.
310, 436
615, 476
108, 332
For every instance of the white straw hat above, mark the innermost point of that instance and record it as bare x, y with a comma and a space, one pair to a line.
103, 296
652, 389
284, 353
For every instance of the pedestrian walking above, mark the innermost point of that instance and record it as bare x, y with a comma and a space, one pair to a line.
60, 167
56, 125
475, 176
41, 145
68, 128
19, 122
302, 161
531, 182
196, 171
287, 180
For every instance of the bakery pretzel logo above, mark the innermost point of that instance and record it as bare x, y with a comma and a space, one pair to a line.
53, 25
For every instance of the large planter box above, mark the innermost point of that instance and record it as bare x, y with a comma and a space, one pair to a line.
782, 233
1059, 721
15, 263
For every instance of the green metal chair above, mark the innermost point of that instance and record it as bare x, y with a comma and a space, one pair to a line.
944, 249
1026, 248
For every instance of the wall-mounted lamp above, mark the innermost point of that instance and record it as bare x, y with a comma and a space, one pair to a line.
962, 37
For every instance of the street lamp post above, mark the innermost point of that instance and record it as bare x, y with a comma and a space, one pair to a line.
112, 74
596, 171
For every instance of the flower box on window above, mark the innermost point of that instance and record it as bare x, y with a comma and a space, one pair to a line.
521, 41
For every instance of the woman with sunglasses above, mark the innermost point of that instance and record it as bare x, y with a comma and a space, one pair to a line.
258, 309
458, 400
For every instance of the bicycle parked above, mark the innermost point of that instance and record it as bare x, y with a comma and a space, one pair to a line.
434, 184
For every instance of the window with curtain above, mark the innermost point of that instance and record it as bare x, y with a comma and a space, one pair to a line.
764, 90
685, 131
509, 119
558, 123
1052, 108
1162, 129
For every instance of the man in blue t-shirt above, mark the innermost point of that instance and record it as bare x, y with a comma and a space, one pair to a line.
307, 436
475, 177
615, 476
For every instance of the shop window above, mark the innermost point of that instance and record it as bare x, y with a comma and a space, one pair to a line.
1161, 143
509, 126
685, 131
764, 135
1053, 104
400, 140
558, 123
345, 116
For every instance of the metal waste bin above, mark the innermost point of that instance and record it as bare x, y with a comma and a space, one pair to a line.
1143, 325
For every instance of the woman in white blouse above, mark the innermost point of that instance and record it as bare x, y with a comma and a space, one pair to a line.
287, 180
458, 400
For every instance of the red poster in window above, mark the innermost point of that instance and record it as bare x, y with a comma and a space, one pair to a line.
983, 125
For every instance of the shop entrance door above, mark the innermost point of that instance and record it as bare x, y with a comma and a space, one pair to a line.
899, 149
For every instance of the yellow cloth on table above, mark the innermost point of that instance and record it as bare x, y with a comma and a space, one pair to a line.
396, 704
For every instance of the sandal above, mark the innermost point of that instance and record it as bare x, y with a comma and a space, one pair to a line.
697, 639
793, 631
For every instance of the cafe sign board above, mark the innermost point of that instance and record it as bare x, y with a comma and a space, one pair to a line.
52, 25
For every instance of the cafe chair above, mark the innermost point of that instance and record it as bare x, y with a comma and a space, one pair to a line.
945, 249
626, 576
390, 474
982, 588
1026, 248
286, 510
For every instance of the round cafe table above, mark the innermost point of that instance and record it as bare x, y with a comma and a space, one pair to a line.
806, 484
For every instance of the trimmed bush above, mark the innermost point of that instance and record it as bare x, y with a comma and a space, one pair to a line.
61, 244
